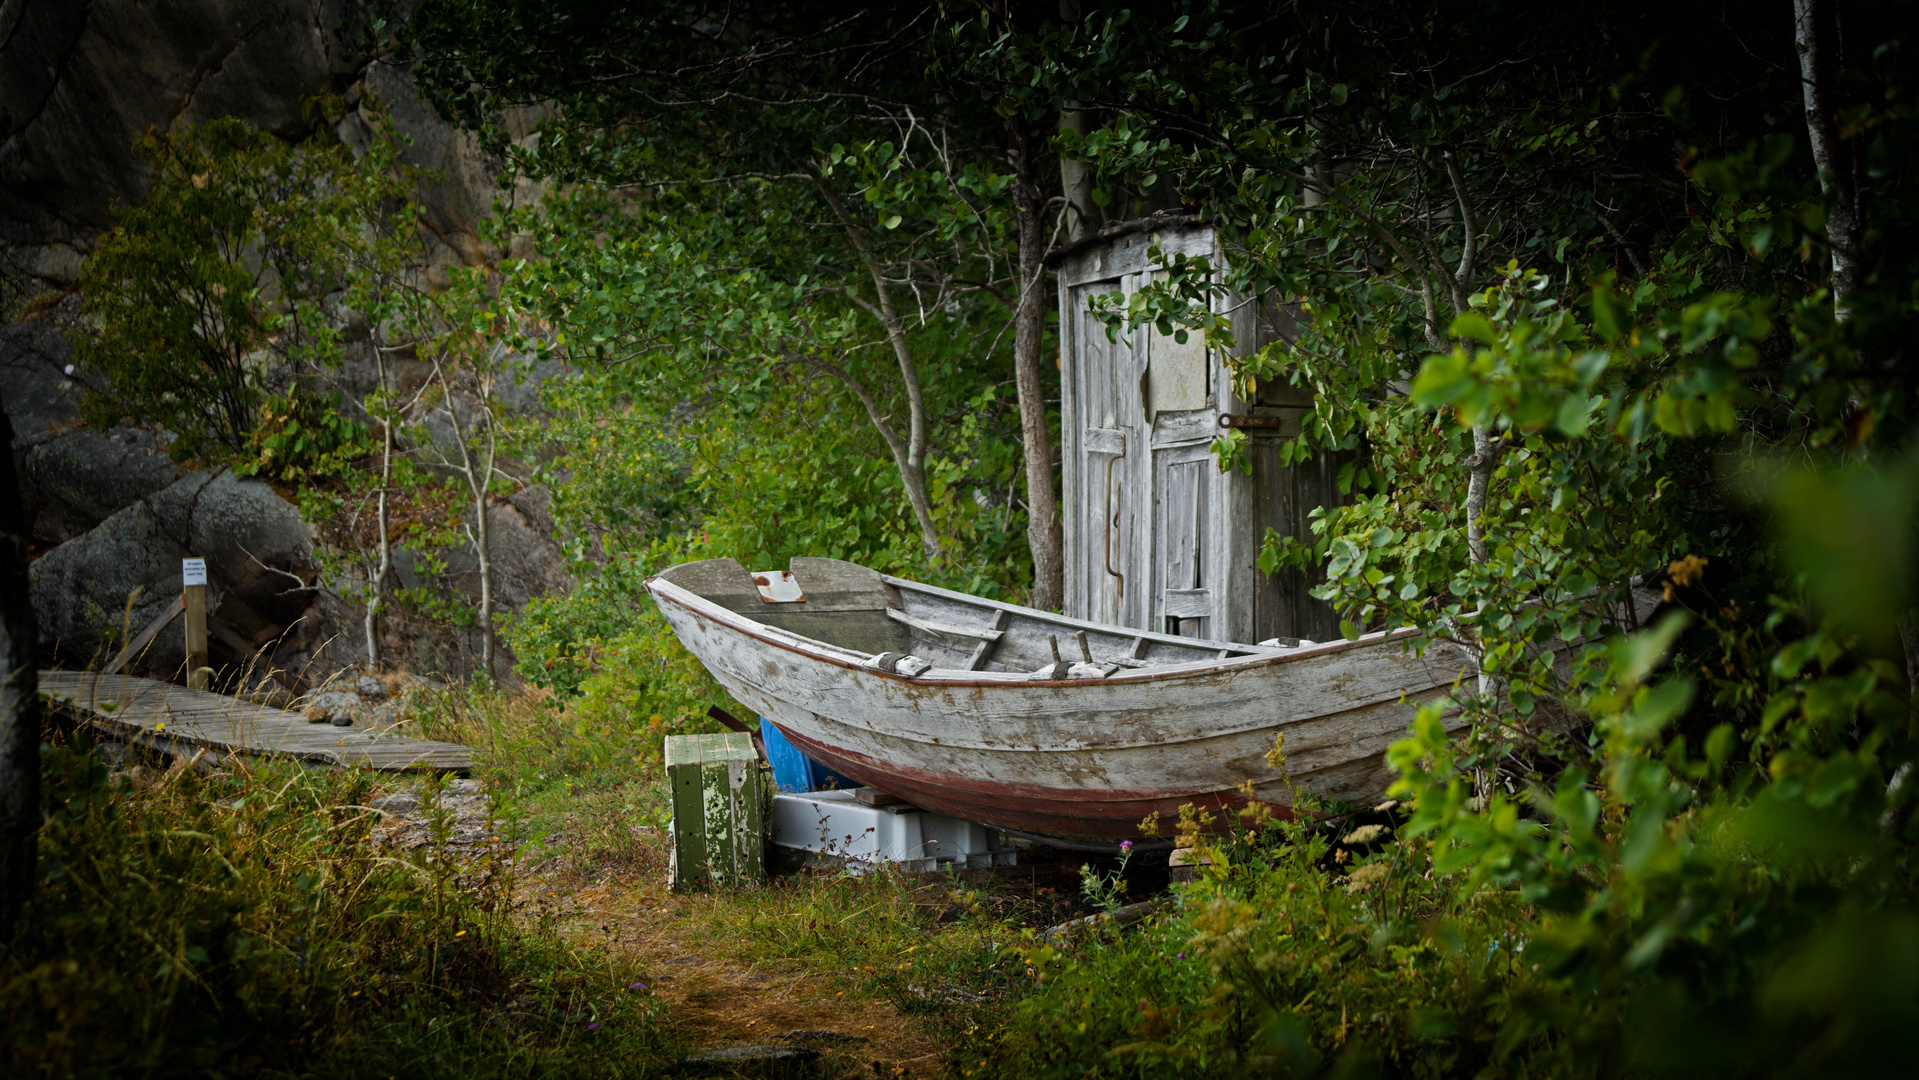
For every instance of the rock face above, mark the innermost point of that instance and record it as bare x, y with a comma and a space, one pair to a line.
79, 82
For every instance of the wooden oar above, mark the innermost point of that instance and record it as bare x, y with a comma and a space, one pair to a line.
733, 723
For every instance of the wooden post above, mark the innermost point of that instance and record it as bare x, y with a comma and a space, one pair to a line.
193, 595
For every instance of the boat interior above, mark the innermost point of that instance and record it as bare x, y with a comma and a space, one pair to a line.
909, 628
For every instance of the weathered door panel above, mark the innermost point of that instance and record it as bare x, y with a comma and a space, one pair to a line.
1184, 483
1110, 444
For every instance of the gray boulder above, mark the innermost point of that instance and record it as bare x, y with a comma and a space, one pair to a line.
257, 549
82, 477
71, 478
338, 707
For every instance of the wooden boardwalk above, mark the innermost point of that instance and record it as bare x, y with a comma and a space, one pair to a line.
178, 721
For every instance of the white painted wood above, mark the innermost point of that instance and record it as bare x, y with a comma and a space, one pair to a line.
1133, 385
1072, 596
1185, 428
1192, 725
1187, 603
1183, 540
1103, 493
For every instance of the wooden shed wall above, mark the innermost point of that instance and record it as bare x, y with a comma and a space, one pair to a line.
1156, 537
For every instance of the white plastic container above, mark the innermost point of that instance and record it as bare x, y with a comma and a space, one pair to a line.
834, 825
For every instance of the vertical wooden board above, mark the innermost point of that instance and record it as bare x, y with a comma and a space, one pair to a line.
1181, 534
736, 828
1232, 558
683, 769
717, 818
744, 784
1069, 463
1137, 507
1178, 375
1100, 502
195, 598
760, 811
1284, 498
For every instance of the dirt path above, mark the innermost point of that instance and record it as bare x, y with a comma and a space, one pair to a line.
717, 999
720, 989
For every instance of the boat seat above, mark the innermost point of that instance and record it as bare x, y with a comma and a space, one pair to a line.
845, 605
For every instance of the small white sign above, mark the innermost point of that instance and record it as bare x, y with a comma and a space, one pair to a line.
193, 572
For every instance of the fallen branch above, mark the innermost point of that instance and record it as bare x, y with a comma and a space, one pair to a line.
1066, 933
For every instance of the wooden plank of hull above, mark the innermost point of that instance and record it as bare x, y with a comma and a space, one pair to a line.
1086, 757
1102, 813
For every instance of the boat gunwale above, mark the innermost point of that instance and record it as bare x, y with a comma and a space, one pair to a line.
815, 649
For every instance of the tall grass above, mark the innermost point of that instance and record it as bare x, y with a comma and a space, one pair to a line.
250, 923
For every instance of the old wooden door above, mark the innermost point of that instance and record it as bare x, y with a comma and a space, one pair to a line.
1182, 525
1111, 448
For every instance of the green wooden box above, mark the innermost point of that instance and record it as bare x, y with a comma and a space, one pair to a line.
722, 800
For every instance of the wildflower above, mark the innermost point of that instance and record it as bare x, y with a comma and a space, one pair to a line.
636, 986
1276, 757
1181, 956
590, 1027
1125, 847
1365, 834
1366, 877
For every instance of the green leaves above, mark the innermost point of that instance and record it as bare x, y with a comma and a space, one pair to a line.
1525, 372
221, 267
1851, 532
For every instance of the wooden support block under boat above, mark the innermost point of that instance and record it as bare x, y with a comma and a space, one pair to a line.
721, 795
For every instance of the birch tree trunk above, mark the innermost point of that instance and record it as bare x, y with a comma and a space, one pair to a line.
1076, 182
1043, 529
478, 477
909, 452
1811, 21
19, 701
376, 583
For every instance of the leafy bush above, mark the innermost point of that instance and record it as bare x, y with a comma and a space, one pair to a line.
205, 298
761, 485
302, 436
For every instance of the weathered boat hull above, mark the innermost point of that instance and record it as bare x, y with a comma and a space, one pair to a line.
1086, 757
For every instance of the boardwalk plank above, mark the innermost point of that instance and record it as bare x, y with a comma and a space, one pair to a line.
173, 718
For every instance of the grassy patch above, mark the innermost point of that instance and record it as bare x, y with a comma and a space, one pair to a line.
575, 785
248, 923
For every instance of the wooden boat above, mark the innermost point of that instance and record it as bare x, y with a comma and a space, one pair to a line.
1030, 721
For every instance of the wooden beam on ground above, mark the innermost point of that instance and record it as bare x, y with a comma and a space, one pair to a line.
145, 637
